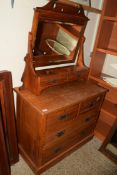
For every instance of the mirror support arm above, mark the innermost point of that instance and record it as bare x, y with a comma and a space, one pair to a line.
30, 46
80, 61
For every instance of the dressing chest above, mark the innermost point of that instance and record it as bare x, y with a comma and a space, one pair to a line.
57, 122
57, 107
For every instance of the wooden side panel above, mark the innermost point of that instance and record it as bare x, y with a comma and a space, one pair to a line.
7, 104
29, 130
4, 160
110, 8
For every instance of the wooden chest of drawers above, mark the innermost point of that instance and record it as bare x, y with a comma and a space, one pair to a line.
57, 122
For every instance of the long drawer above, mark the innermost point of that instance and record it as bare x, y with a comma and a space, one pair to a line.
62, 117
53, 149
64, 129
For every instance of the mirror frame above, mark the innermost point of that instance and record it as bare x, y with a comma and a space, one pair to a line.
64, 13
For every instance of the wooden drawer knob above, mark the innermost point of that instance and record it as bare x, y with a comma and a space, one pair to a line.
115, 105
87, 119
57, 150
60, 134
82, 133
63, 117
92, 104
98, 98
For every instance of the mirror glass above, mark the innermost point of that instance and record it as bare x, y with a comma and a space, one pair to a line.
59, 39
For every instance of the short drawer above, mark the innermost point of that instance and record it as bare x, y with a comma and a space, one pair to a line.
82, 120
52, 80
91, 103
79, 75
59, 134
61, 118
50, 151
88, 117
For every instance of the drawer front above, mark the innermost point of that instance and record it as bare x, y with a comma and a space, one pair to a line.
52, 80
82, 120
91, 103
53, 150
61, 118
89, 117
80, 75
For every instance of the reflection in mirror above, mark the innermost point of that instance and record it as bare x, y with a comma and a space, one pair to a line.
57, 47
57, 38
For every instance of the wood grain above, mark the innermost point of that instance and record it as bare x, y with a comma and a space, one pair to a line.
7, 105
51, 124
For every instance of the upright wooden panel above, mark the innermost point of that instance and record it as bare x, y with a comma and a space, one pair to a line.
4, 163
7, 106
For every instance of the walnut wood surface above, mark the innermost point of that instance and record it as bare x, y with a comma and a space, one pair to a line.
51, 100
57, 109
7, 106
4, 160
57, 121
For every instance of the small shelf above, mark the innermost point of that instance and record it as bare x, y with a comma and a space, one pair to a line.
110, 8
107, 42
101, 81
114, 19
107, 51
112, 91
88, 8
92, 9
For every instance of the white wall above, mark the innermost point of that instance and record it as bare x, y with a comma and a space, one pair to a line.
14, 27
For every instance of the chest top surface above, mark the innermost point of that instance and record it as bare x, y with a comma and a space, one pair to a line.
55, 98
